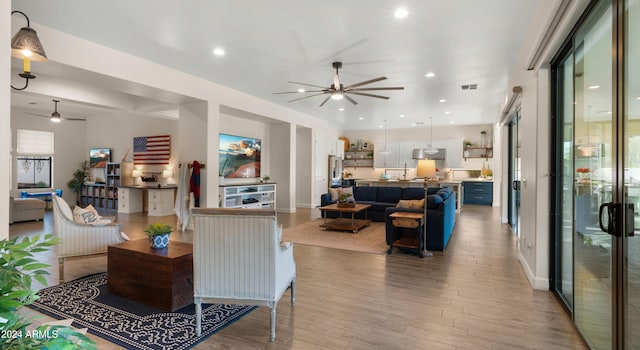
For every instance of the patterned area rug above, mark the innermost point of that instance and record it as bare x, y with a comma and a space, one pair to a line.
128, 323
370, 239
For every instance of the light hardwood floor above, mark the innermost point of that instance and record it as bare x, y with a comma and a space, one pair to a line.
475, 295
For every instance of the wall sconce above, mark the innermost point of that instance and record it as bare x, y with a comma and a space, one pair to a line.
167, 173
26, 46
137, 174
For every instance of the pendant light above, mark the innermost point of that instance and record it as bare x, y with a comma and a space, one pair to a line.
431, 149
423, 153
385, 151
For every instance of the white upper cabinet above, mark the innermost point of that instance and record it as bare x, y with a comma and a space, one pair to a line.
385, 160
454, 154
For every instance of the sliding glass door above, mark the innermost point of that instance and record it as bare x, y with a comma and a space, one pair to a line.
514, 171
630, 262
596, 175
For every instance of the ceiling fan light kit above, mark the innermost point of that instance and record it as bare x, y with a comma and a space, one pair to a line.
337, 90
26, 46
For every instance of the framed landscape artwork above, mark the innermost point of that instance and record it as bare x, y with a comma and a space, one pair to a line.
99, 157
239, 156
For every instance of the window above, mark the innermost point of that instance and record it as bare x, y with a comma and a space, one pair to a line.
35, 150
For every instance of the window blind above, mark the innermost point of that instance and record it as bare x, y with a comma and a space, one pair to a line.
33, 142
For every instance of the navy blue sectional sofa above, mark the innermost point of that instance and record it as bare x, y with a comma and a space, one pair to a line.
441, 209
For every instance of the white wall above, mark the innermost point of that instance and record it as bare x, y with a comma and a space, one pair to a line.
304, 167
5, 113
69, 147
534, 218
283, 164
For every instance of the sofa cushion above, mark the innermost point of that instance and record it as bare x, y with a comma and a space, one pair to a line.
389, 194
434, 201
412, 193
414, 203
366, 193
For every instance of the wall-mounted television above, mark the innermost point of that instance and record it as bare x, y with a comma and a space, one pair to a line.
239, 156
98, 157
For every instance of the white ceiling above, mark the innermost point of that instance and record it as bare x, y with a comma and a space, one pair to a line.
268, 43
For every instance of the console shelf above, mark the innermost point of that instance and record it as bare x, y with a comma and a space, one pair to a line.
248, 196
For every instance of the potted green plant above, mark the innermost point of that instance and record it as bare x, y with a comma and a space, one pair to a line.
77, 180
158, 235
266, 179
344, 202
18, 268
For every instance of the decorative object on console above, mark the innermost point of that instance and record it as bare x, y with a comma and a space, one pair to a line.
337, 91
26, 45
158, 235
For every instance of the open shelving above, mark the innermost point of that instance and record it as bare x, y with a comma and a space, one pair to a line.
248, 196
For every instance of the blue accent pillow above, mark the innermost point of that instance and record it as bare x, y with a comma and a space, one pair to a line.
444, 192
434, 201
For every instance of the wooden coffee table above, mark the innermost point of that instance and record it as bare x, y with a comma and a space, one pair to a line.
161, 278
346, 224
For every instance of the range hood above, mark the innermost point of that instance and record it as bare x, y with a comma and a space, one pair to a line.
437, 156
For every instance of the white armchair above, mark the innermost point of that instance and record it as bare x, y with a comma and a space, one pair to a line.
80, 240
238, 258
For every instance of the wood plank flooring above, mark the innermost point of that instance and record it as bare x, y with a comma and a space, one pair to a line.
473, 296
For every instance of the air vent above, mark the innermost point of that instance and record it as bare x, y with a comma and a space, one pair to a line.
469, 87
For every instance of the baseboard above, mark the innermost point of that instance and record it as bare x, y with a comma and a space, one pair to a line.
305, 205
535, 282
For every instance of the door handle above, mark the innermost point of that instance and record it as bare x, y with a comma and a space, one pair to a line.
610, 215
515, 185
630, 222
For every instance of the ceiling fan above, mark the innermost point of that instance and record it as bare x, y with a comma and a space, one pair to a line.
55, 116
337, 90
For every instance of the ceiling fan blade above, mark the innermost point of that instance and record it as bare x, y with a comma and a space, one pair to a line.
301, 98
350, 99
325, 101
74, 119
318, 86
368, 95
364, 82
296, 92
38, 115
378, 88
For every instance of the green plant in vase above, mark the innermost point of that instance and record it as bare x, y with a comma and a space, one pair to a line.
158, 235
344, 202
77, 180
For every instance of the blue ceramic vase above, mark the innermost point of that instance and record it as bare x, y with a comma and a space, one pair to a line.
159, 241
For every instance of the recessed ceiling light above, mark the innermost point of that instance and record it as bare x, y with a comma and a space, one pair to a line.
447, 112
413, 124
452, 122
430, 75
341, 109
401, 115
218, 51
381, 126
443, 100
638, 98
361, 118
401, 13
594, 87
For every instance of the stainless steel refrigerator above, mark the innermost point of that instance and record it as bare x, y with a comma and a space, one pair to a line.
335, 171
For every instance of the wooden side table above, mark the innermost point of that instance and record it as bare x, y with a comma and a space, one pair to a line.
412, 235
